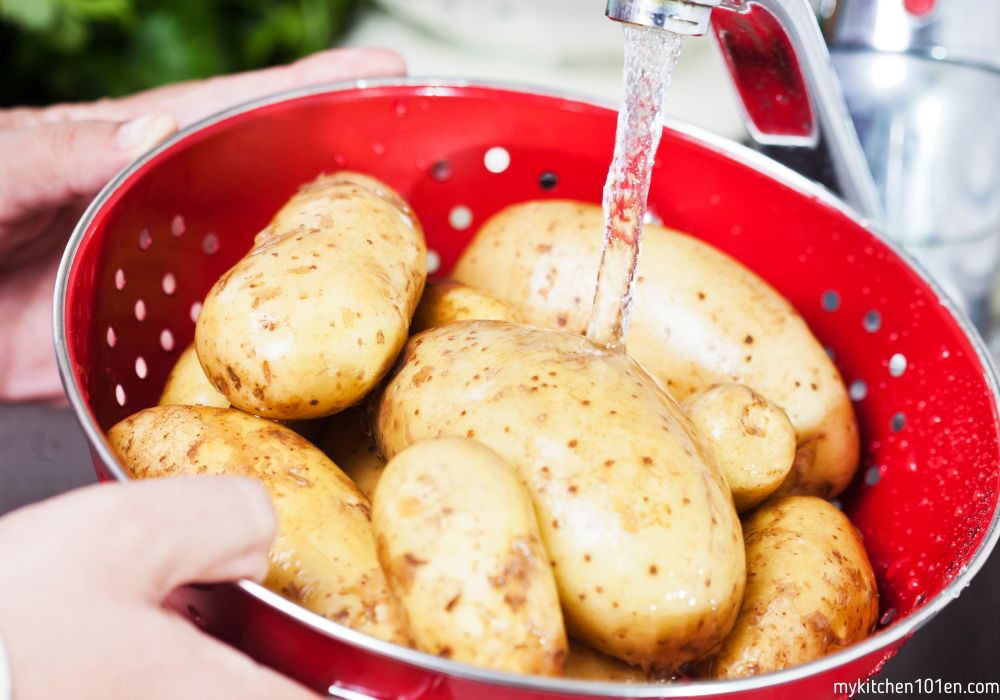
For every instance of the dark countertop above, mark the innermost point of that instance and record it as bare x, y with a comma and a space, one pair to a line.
43, 452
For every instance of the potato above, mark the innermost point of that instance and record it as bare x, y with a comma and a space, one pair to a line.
752, 439
187, 384
458, 540
313, 317
699, 318
638, 522
586, 664
348, 442
324, 554
448, 301
810, 589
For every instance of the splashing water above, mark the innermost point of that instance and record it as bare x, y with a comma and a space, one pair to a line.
650, 58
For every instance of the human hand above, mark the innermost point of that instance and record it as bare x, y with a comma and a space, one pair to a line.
53, 160
84, 579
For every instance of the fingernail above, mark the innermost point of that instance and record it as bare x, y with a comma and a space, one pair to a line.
141, 134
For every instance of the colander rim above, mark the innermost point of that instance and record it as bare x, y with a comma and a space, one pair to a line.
435, 664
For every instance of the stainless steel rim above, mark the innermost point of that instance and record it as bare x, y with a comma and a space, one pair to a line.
435, 664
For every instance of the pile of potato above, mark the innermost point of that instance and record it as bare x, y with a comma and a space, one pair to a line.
488, 485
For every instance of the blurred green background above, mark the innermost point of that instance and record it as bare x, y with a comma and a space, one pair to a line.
55, 50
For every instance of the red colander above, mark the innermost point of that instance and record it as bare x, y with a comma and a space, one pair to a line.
158, 236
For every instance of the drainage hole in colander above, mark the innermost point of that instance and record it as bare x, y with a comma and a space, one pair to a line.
897, 364
195, 311
120, 394
441, 171
210, 244
887, 617
548, 180
898, 422
872, 321
873, 475
145, 239
497, 159
119, 279
830, 300
858, 390
177, 226
433, 262
140, 310
169, 284
166, 340
112, 337
141, 370
460, 217
920, 599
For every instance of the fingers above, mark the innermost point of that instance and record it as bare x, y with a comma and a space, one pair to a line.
193, 100
52, 165
27, 358
156, 535
192, 530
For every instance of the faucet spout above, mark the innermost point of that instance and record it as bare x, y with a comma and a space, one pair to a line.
791, 100
688, 17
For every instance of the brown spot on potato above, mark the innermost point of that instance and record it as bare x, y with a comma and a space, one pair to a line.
653, 570
234, 378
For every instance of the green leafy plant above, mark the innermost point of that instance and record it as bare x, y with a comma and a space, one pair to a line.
54, 50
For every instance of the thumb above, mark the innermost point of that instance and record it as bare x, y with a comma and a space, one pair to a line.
173, 531
51, 165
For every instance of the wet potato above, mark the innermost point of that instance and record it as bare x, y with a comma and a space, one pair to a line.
639, 524
348, 442
187, 384
449, 301
699, 318
324, 554
311, 319
586, 664
459, 542
810, 589
752, 439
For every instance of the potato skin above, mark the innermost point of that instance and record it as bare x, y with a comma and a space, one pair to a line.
448, 301
586, 664
699, 318
324, 554
752, 440
187, 384
311, 319
349, 444
458, 540
810, 588
596, 441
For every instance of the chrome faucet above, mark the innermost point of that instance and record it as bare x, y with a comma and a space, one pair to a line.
900, 115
